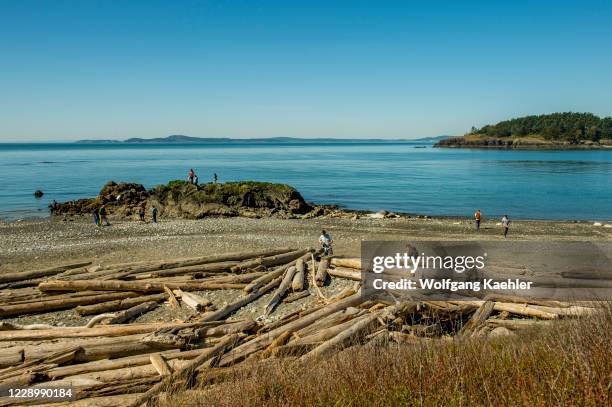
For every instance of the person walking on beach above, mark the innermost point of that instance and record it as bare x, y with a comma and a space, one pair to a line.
326, 243
154, 214
103, 218
190, 175
505, 223
96, 217
141, 212
477, 217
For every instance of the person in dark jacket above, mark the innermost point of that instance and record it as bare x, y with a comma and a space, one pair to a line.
103, 219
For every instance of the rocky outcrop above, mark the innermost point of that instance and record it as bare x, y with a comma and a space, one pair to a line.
180, 199
519, 143
121, 199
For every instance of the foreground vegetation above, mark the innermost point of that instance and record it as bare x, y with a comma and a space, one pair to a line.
567, 363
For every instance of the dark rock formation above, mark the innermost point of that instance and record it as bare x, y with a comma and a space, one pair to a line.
121, 199
180, 199
525, 143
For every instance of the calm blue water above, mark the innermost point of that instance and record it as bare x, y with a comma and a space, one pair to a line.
373, 176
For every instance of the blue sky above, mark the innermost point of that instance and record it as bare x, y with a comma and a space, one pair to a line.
351, 69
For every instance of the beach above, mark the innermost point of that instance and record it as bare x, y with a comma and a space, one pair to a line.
60, 240
52, 241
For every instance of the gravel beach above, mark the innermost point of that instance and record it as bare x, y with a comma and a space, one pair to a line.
53, 241
36, 244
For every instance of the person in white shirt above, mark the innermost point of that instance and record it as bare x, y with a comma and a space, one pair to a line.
326, 243
505, 223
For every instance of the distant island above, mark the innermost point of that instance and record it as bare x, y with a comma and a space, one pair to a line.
181, 139
551, 131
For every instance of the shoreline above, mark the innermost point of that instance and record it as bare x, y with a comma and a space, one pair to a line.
340, 212
527, 147
46, 242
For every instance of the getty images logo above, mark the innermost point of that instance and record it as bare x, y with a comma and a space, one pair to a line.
412, 263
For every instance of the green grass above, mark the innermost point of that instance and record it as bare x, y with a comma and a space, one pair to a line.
221, 193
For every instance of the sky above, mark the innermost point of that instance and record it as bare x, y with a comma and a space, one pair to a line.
349, 69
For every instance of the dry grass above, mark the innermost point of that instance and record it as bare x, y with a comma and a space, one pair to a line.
568, 364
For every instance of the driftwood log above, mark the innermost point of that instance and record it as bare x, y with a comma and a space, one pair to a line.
321, 275
130, 313
281, 290
145, 287
194, 301
186, 373
270, 261
353, 263
116, 357
228, 309
29, 275
349, 334
118, 305
342, 272
300, 273
260, 343
60, 304
160, 364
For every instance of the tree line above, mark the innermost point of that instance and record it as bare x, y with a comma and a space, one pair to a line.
567, 126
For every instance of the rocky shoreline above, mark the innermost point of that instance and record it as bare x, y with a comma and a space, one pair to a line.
472, 141
183, 200
180, 199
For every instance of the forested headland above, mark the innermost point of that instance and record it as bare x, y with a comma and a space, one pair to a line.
556, 130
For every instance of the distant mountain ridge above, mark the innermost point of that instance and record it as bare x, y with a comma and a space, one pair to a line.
179, 138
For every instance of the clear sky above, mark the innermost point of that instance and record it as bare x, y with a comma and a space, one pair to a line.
230, 68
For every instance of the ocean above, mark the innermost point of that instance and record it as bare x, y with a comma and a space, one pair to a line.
395, 176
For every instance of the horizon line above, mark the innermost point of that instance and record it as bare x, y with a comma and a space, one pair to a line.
109, 140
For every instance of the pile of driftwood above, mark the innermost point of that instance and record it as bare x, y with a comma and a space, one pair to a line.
113, 361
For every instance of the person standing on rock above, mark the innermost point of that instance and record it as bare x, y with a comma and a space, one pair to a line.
477, 217
505, 222
190, 175
154, 214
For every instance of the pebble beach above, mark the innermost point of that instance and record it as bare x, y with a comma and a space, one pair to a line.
48, 242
